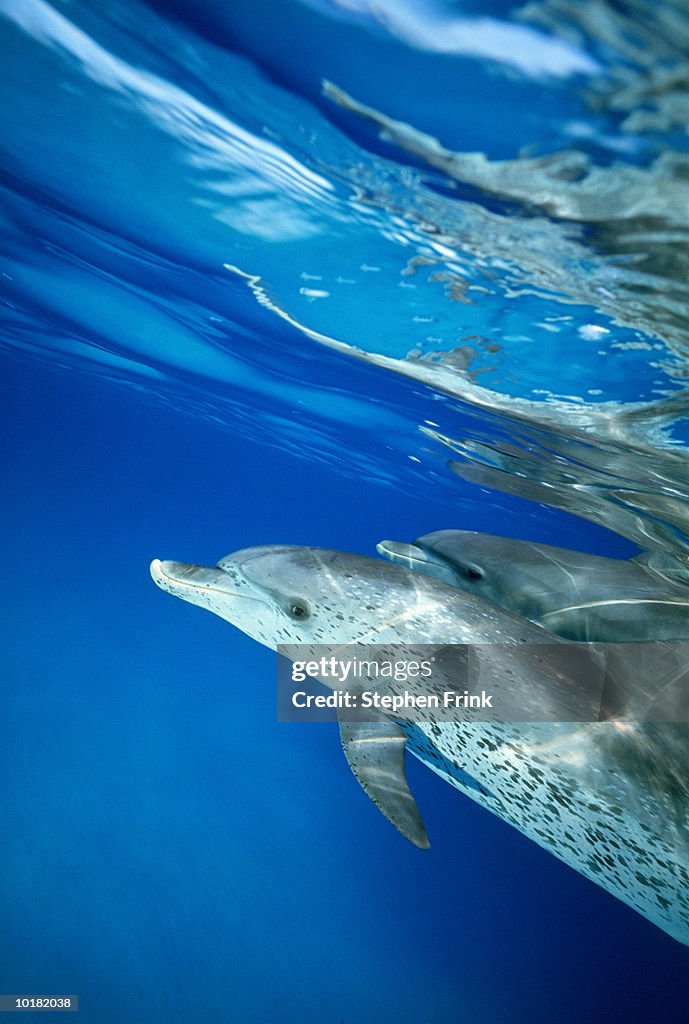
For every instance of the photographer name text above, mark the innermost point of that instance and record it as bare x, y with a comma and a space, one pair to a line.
392, 701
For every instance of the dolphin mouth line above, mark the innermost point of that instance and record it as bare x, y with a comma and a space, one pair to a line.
157, 565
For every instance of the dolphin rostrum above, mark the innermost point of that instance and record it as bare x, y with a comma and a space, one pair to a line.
576, 595
610, 798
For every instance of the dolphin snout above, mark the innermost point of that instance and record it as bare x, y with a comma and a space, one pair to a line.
165, 573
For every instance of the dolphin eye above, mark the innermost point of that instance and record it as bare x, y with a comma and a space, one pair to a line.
298, 610
474, 573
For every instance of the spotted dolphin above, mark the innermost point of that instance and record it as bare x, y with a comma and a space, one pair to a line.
574, 594
611, 798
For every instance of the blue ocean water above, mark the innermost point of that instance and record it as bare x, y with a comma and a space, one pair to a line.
236, 311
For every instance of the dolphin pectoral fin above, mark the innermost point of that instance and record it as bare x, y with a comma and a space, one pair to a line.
375, 752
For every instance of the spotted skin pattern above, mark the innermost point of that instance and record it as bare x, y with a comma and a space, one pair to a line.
560, 785
611, 799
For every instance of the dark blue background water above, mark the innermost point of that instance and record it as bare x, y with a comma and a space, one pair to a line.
169, 851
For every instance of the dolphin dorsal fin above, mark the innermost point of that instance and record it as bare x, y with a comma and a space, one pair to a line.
375, 752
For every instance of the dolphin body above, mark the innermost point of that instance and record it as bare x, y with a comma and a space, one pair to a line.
611, 798
576, 595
